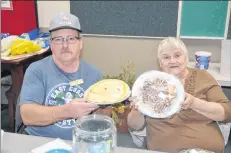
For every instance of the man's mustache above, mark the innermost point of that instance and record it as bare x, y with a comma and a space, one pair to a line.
65, 51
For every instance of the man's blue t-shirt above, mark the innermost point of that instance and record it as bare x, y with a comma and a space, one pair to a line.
46, 84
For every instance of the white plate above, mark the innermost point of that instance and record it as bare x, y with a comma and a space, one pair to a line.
196, 150
147, 109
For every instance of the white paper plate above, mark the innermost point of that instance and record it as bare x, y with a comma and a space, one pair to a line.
147, 109
196, 150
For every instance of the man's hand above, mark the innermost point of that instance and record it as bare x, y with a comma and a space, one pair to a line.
79, 107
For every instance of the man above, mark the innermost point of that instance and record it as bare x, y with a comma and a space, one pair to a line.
53, 88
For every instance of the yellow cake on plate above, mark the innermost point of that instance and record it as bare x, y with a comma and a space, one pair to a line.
108, 91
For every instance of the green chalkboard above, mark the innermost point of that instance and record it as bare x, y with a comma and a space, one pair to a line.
203, 18
127, 18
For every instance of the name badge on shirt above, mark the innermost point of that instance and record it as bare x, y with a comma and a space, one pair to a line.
76, 82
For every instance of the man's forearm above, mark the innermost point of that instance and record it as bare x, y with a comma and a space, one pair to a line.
39, 115
211, 110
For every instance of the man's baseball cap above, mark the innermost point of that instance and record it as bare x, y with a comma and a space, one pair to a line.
64, 21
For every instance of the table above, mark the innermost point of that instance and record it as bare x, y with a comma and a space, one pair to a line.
19, 143
214, 70
17, 67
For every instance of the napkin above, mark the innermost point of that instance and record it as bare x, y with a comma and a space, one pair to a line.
55, 144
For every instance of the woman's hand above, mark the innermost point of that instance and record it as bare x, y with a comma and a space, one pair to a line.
211, 110
133, 101
135, 118
188, 102
134, 107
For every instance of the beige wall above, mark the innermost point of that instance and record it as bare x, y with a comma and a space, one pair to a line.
47, 9
108, 53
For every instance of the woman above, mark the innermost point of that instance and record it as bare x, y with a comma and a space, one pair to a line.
205, 104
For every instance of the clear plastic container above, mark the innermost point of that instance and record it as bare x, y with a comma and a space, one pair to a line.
94, 134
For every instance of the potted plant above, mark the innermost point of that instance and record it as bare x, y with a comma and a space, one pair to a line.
120, 111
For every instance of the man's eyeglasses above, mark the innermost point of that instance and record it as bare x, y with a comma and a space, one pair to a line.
70, 39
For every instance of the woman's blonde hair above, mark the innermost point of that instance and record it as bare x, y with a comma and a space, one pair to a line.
172, 42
